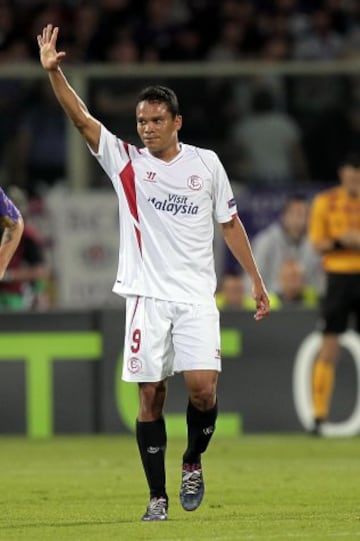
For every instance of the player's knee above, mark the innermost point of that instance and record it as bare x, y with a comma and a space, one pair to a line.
204, 398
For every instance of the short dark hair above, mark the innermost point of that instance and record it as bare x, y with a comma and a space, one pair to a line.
161, 94
296, 197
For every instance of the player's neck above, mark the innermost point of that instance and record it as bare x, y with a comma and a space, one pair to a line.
168, 154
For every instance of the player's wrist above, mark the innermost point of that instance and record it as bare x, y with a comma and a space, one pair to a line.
52, 69
338, 244
255, 276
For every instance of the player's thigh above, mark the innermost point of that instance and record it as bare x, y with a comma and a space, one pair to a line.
196, 338
148, 350
337, 304
201, 386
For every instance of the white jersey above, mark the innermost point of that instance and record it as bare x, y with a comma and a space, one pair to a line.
166, 212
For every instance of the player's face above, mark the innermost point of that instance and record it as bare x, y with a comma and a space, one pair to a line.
157, 129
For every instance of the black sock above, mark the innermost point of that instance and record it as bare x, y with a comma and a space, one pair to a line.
151, 440
201, 426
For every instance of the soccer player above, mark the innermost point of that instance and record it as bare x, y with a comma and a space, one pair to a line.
168, 193
335, 233
12, 227
24, 286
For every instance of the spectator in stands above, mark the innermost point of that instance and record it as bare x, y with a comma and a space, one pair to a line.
293, 290
154, 22
294, 13
286, 239
322, 42
231, 292
25, 285
228, 46
269, 145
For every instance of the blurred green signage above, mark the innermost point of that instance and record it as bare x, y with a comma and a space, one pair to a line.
39, 350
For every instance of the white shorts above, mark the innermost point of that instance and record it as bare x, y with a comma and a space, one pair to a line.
164, 337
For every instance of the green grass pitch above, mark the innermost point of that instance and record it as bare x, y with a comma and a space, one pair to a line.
258, 488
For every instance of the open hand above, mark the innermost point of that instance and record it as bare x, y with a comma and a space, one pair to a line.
262, 301
50, 58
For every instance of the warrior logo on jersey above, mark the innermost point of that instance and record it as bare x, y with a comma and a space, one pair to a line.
195, 183
175, 204
150, 176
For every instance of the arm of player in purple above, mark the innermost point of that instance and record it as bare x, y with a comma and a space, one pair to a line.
7, 207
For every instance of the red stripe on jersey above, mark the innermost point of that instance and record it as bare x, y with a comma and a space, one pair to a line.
133, 316
126, 147
127, 177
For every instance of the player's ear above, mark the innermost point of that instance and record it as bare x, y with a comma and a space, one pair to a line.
178, 122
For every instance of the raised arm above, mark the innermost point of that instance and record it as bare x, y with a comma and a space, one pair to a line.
237, 240
9, 242
74, 107
12, 227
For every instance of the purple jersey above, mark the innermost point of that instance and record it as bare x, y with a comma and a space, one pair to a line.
9, 214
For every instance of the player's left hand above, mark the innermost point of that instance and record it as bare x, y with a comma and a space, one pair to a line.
262, 301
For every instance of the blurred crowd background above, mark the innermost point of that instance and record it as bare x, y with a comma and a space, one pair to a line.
271, 85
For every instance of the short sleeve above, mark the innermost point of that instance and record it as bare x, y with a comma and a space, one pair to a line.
113, 153
224, 201
8, 211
